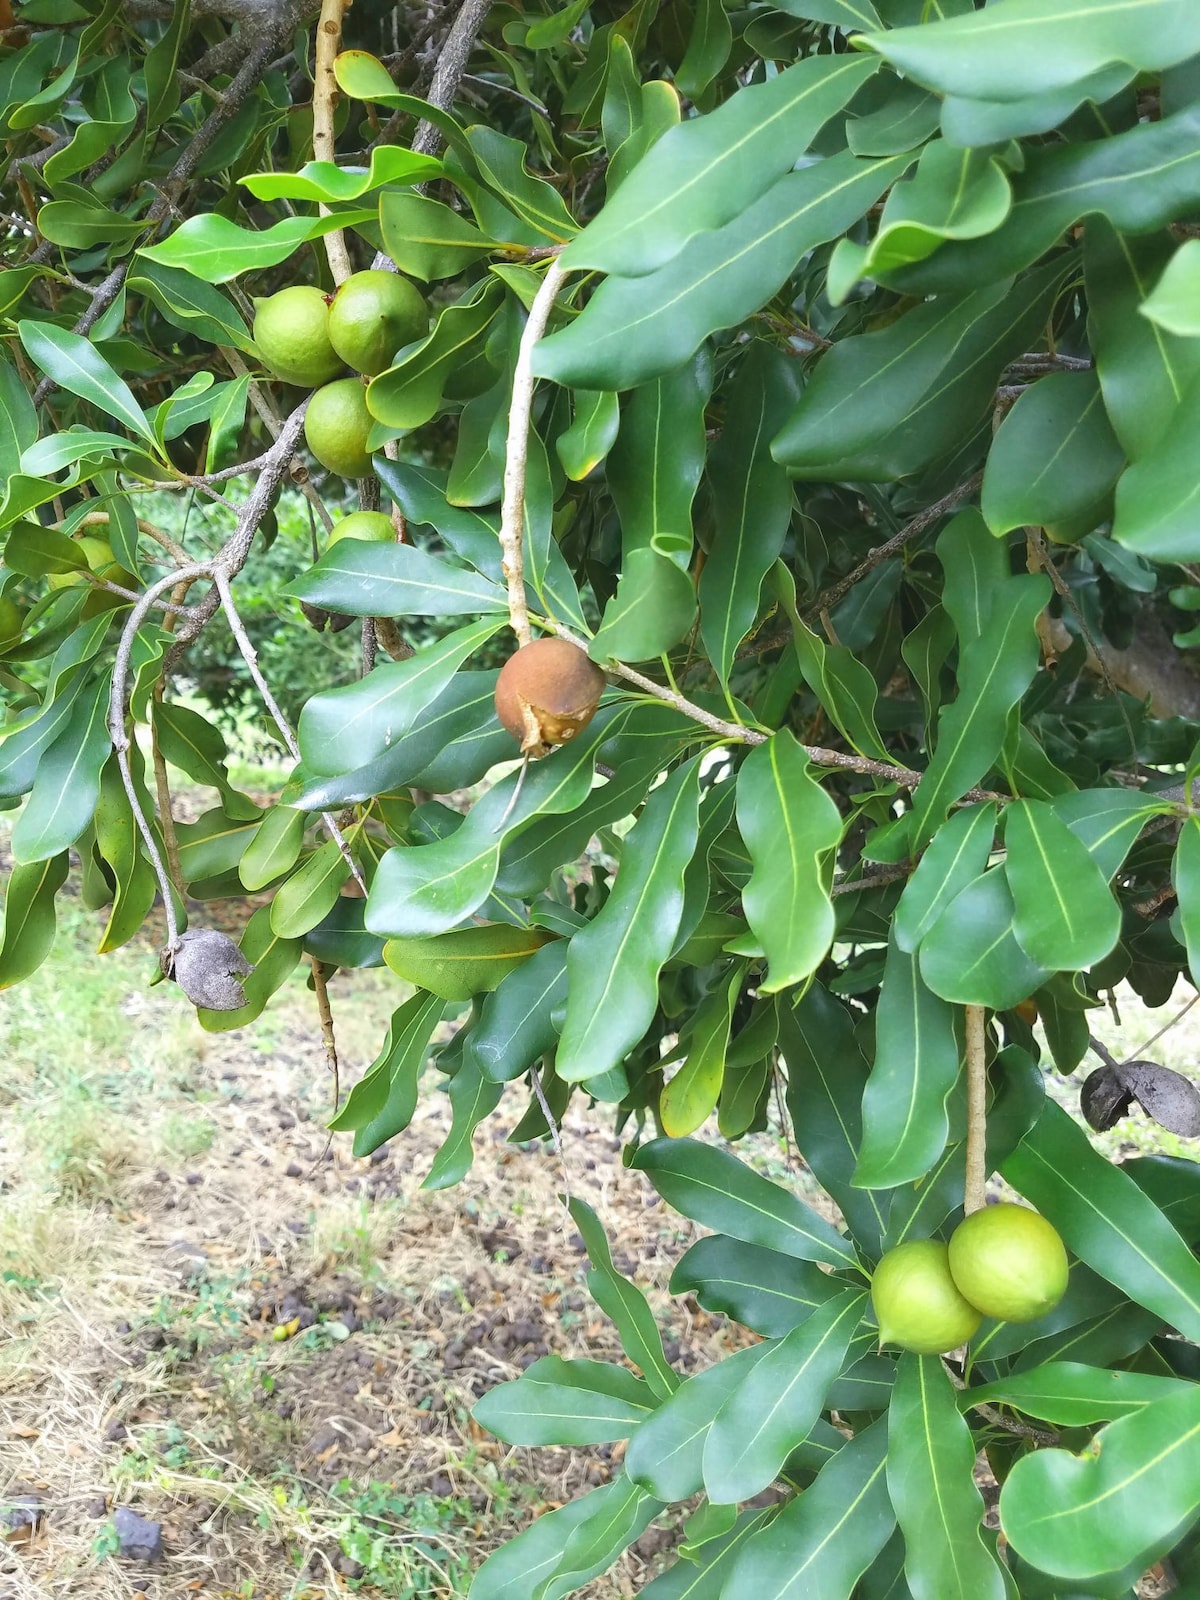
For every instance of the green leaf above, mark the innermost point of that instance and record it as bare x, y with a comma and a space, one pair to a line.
215, 249
625, 1303
653, 609
1030, 47
716, 1189
971, 956
273, 959
765, 1291
213, 844
1157, 495
954, 194
1144, 370
326, 181
654, 468
853, 14
599, 1524
1120, 1503
958, 855
118, 844
1073, 1395
973, 122
365, 579
310, 893
516, 1025
382, 1103
590, 437
459, 965
994, 671
638, 327
930, 1474
501, 161
1185, 875
64, 793
29, 917
690, 1097
823, 1540
1065, 919
190, 742
613, 964
426, 239
752, 502
18, 419
1055, 457
409, 394
340, 940
472, 1098
702, 1570
1174, 303
1106, 1219
775, 1406
826, 1077
843, 684
190, 303
703, 173
341, 729
566, 1402
917, 1056
273, 849
791, 828
162, 80
666, 1454
76, 365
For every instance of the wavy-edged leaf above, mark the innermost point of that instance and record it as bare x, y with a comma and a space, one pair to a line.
365, 579
472, 1098
470, 961
1106, 1219
64, 793
613, 964
1174, 302
1120, 1503
971, 956
638, 327
190, 303
762, 1289
994, 671
76, 365
823, 1541
516, 1025
566, 1402
328, 182
1073, 1395
29, 917
1029, 47
716, 1189
382, 1102
843, 685
215, 249
704, 172
956, 856
1158, 495
931, 1481
427, 239
409, 393
917, 1058
775, 1406
666, 1454
625, 1303
791, 827
1064, 917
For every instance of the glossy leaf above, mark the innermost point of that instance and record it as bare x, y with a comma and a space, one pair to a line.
76, 365
1106, 1219
578, 1540
29, 917
1157, 495
409, 393
716, 1189
67, 785
382, 1102
666, 1455
775, 1406
471, 961
843, 684
625, 1303
1120, 1503
190, 303
516, 1025
216, 249
273, 849
791, 828
703, 173
957, 855
1185, 874
566, 1402
1174, 303
1073, 1395
472, 1098
971, 955
311, 892
1064, 918
623, 949
765, 1291
326, 181
426, 239
823, 1540
365, 579
917, 1056
930, 1475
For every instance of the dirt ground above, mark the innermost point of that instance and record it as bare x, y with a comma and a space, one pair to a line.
266, 1345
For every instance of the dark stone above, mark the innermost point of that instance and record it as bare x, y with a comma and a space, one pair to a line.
293, 1170
96, 1508
349, 1568
140, 1539
379, 1155
20, 1515
115, 1430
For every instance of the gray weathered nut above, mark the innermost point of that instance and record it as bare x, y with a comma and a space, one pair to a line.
209, 967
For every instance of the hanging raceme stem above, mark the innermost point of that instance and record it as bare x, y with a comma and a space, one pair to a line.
512, 510
325, 97
975, 1188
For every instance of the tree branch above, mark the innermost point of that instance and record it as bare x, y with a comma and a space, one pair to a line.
325, 98
512, 509
975, 1188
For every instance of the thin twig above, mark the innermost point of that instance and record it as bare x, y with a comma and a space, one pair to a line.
1167, 1026
1101, 1049
975, 1187
512, 509
325, 98
555, 1133
328, 1039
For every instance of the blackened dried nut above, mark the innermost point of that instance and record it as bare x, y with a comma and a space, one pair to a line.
1104, 1099
1170, 1098
209, 967
325, 621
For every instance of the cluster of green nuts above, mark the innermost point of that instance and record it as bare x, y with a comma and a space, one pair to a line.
307, 338
1004, 1261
